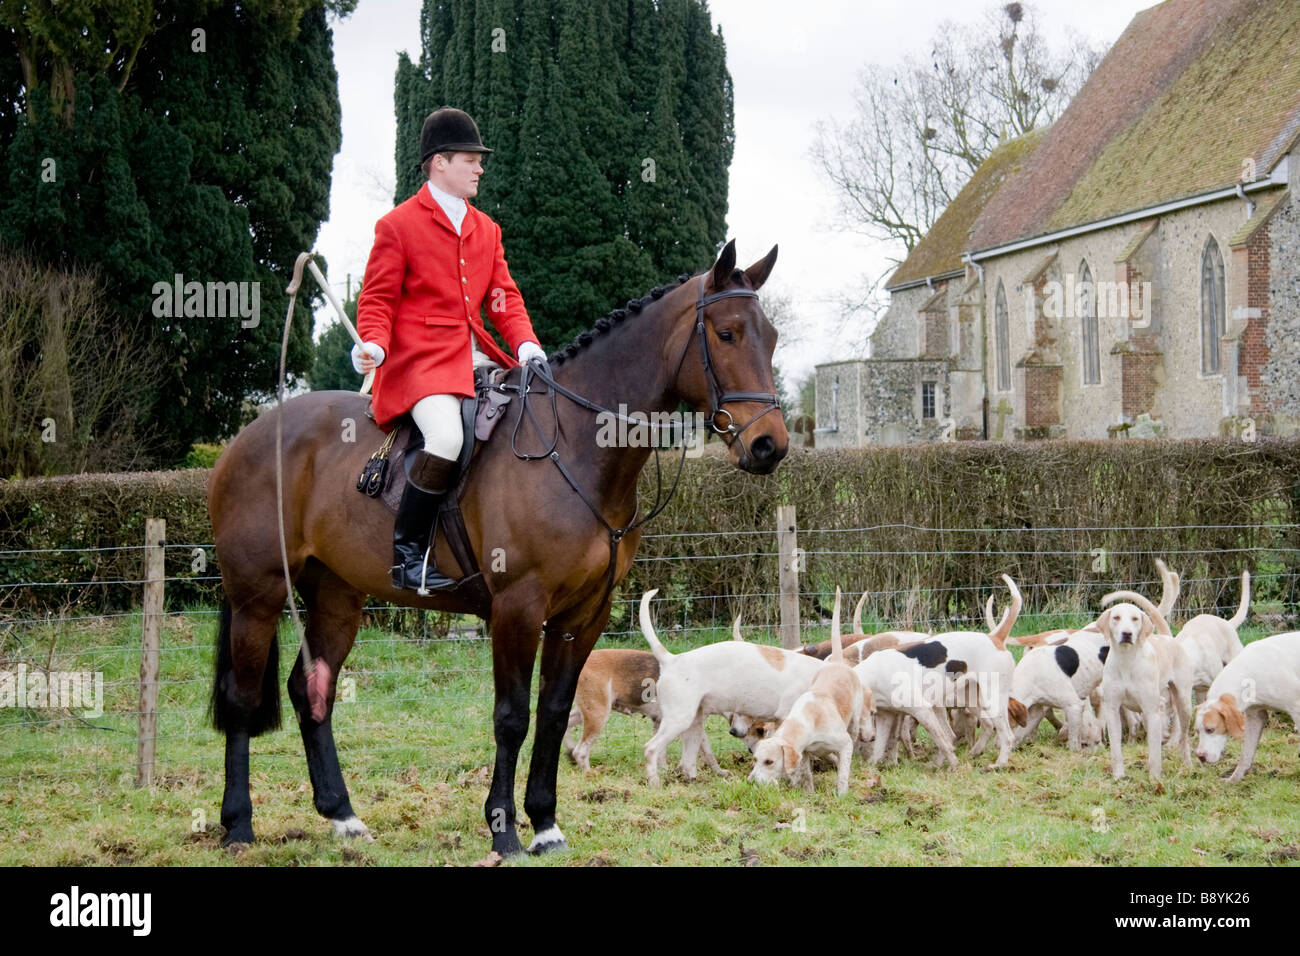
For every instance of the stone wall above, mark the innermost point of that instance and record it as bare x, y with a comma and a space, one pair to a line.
1280, 374
1153, 367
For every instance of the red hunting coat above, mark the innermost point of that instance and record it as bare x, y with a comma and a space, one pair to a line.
421, 300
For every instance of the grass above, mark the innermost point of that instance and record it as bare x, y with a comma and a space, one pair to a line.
416, 747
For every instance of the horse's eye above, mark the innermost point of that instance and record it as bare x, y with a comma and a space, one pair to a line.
726, 337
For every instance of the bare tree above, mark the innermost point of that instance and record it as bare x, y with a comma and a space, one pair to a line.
920, 130
71, 381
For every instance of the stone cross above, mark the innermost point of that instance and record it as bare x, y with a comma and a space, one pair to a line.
1002, 411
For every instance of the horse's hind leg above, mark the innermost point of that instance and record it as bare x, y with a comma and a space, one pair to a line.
245, 701
333, 615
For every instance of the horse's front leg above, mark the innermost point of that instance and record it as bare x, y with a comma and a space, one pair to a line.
516, 629
563, 655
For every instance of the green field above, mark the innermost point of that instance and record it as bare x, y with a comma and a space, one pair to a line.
415, 742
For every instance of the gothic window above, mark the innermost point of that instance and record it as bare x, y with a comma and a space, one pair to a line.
1002, 339
1088, 336
1213, 320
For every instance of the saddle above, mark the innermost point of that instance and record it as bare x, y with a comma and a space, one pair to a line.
384, 476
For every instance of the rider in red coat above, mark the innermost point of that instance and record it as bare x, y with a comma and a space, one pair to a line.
437, 262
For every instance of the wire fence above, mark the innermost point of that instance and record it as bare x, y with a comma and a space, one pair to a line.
408, 664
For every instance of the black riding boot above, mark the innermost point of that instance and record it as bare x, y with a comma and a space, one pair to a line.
428, 479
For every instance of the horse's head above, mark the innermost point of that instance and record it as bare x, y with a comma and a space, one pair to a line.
725, 369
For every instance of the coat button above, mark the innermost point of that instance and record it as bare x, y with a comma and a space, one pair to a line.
463, 279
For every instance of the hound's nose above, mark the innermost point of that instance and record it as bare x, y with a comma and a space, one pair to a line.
735, 733
1201, 756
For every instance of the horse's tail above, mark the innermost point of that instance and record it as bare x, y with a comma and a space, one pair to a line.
226, 718
648, 629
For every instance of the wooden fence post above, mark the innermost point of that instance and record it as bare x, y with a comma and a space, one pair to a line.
790, 556
155, 539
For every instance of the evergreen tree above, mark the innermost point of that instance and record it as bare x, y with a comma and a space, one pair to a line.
600, 190
332, 365
200, 147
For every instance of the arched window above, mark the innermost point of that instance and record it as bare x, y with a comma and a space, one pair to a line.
1002, 337
1088, 338
1213, 320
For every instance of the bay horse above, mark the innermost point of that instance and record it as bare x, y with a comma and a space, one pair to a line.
566, 534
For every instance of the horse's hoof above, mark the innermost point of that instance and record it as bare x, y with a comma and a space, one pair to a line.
352, 827
238, 838
507, 844
549, 840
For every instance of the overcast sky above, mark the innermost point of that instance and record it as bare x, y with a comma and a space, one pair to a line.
791, 64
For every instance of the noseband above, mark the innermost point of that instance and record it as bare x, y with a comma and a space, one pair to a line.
719, 396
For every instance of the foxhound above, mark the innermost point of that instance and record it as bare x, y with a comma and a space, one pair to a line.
1211, 642
829, 718
1264, 676
757, 680
1145, 668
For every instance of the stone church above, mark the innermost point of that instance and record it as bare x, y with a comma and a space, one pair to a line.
1132, 270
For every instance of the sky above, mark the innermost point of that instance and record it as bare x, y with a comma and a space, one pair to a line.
791, 64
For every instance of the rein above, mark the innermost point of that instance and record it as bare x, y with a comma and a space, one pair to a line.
718, 396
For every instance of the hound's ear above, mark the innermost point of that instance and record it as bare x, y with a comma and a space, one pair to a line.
1147, 627
1103, 624
791, 757
1232, 716
725, 265
757, 273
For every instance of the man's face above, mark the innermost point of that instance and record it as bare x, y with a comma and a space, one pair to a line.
459, 175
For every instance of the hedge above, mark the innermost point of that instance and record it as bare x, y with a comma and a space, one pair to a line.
927, 529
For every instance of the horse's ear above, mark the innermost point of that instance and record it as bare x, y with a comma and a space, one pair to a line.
757, 273
722, 269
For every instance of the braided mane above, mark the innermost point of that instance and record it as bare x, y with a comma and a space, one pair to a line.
615, 316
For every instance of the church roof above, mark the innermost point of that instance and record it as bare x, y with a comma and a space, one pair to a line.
1192, 94
940, 250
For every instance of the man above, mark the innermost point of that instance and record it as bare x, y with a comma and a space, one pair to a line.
436, 262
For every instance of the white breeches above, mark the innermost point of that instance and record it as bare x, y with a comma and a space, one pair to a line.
438, 418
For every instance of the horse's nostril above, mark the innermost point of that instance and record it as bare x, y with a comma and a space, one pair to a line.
763, 447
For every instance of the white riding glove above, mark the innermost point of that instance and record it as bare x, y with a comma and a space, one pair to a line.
369, 354
531, 350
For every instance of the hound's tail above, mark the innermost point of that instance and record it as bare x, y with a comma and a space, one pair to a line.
1153, 612
1171, 584
1000, 633
1243, 610
990, 621
837, 643
857, 614
648, 629
735, 630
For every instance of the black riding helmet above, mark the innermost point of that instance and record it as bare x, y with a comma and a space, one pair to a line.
449, 130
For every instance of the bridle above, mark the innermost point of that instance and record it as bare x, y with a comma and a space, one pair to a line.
718, 396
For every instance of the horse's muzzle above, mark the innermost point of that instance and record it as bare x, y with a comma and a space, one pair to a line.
763, 457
